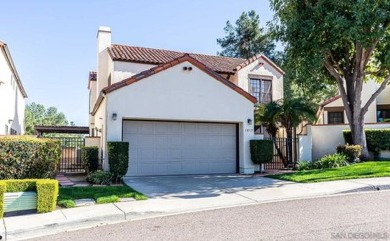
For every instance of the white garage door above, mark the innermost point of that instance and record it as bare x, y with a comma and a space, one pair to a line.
173, 148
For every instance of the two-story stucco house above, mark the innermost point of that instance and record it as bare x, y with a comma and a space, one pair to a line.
332, 111
182, 113
12, 95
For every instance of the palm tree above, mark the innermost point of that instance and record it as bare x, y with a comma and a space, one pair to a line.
287, 113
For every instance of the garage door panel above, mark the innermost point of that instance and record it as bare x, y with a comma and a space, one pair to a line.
171, 148
161, 141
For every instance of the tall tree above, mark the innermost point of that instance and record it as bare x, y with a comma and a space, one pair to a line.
344, 42
37, 114
246, 38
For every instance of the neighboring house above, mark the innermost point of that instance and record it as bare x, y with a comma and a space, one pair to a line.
323, 137
332, 111
12, 95
182, 113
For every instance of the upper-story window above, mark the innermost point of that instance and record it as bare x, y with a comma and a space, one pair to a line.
261, 89
336, 117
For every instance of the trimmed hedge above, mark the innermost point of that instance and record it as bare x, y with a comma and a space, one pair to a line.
377, 139
28, 157
90, 156
118, 158
3, 188
262, 151
47, 192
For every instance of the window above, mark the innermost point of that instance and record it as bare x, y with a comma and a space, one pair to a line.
383, 115
261, 89
336, 117
13, 132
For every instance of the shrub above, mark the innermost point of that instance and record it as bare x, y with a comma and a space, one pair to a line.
331, 161
3, 188
353, 152
262, 151
47, 192
90, 158
100, 177
28, 157
107, 199
304, 165
66, 203
377, 139
118, 158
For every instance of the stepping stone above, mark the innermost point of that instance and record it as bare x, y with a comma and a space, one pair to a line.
84, 202
64, 181
126, 199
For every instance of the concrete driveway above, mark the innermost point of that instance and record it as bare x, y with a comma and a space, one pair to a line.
244, 187
235, 188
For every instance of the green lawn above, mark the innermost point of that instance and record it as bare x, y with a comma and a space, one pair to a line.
104, 194
359, 170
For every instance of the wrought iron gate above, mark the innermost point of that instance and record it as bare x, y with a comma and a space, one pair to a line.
71, 161
285, 153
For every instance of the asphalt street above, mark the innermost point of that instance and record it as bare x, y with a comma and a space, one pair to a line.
348, 217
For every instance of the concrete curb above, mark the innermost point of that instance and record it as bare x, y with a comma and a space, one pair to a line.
36, 225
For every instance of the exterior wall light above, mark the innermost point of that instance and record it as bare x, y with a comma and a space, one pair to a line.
249, 121
114, 116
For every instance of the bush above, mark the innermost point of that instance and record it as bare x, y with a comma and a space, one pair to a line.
262, 151
28, 157
331, 161
304, 165
3, 188
107, 199
353, 152
47, 192
377, 139
100, 177
118, 158
90, 158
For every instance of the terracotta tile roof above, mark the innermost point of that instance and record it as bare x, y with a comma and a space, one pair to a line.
218, 64
167, 65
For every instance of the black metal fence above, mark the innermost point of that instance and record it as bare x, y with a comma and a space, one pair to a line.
285, 153
71, 161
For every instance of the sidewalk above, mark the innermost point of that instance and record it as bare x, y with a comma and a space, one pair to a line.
35, 225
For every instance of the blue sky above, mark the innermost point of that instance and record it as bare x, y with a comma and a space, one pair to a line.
53, 43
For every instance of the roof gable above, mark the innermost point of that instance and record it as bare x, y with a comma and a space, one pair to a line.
172, 63
11, 64
256, 57
161, 67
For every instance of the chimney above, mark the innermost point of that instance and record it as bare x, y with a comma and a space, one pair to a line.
103, 42
103, 38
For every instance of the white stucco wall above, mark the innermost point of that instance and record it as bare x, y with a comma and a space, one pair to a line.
325, 138
261, 69
123, 70
92, 100
12, 102
174, 94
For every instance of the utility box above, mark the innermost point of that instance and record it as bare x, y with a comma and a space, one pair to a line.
20, 201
